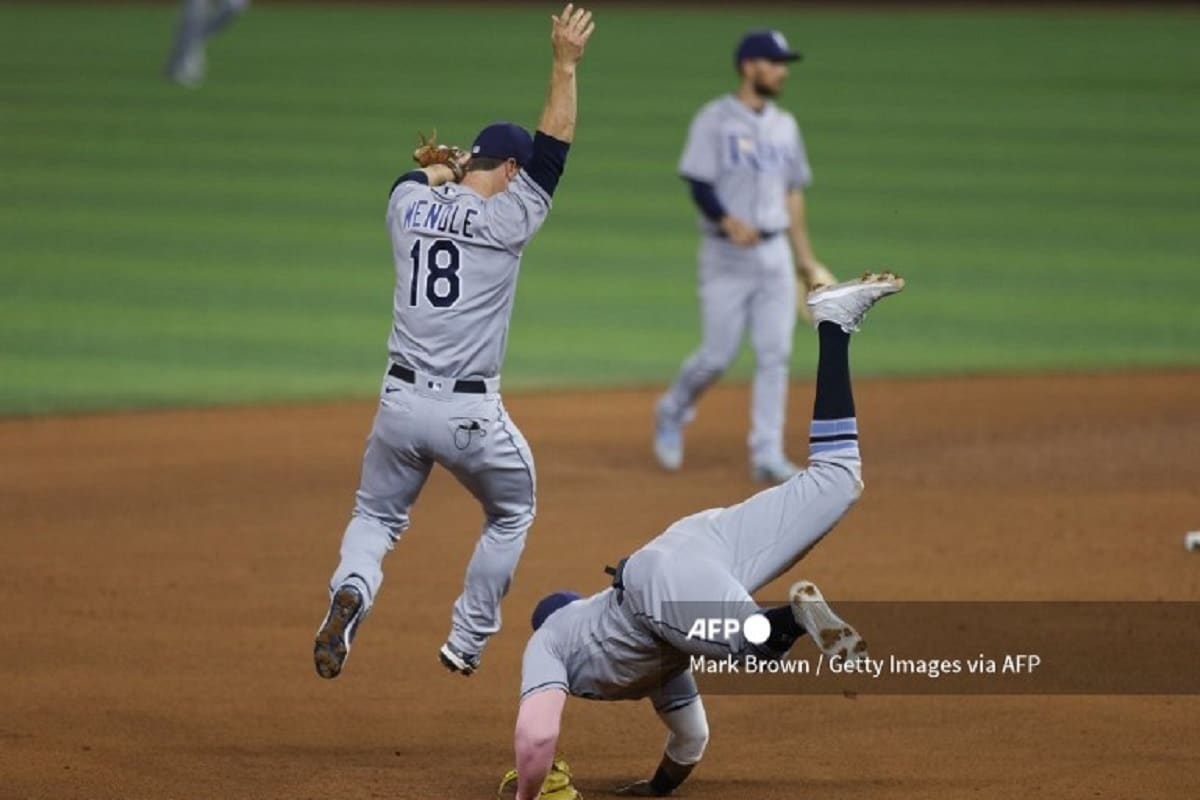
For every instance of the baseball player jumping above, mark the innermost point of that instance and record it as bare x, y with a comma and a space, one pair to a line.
457, 249
747, 167
632, 640
198, 20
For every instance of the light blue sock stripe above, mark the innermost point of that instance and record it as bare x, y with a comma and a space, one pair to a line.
829, 447
833, 427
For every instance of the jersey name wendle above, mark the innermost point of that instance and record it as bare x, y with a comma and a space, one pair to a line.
435, 216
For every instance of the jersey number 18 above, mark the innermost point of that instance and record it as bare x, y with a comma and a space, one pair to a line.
441, 273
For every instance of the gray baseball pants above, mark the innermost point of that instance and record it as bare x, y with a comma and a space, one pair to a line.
717, 559
744, 288
472, 436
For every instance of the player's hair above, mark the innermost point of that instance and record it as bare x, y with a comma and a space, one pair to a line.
478, 164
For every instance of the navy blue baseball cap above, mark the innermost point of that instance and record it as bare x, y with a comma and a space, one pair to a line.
549, 604
504, 140
770, 45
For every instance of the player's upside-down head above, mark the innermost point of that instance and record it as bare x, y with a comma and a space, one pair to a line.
551, 603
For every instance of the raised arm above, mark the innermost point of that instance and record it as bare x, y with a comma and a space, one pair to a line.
569, 34
535, 739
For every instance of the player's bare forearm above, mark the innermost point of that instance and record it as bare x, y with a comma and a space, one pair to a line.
798, 230
535, 738
810, 270
568, 37
439, 174
558, 116
533, 765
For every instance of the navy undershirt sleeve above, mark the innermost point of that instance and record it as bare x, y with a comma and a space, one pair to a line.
417, 175
705, 197
548, 161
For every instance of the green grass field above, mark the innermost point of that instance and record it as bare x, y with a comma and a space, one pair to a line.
1035, 175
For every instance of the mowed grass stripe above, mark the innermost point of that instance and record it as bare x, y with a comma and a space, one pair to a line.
228, 244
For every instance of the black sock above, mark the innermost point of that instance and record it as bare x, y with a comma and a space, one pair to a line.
834, 399
784, 629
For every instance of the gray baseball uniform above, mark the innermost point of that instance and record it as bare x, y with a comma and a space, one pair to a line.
753, 161
632, 642
457, 256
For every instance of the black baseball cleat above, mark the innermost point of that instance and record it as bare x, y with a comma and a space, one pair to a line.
456, 660
332, 644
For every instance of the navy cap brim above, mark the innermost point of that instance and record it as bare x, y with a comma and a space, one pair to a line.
787, 58
776, 58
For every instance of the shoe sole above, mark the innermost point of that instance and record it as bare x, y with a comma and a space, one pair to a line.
831, 634
451, 661
882, 284
332, 646
894, 282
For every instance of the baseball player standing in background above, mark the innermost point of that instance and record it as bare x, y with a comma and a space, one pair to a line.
635, 640
457, 250
198, 20
747, 167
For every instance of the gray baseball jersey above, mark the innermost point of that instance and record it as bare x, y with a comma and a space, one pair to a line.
752, 160
457, 256
623, 644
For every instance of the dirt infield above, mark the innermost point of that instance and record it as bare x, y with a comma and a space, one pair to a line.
165, 573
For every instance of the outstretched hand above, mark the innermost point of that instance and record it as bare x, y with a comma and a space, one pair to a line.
569, 34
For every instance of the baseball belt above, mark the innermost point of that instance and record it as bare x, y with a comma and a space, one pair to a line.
762, 235
462, 387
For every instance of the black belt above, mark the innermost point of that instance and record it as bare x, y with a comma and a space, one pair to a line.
463, 387
618, 578
762, 235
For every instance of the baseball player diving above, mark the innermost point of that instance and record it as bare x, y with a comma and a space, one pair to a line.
747, 168
198, 20
633, 640
458, 227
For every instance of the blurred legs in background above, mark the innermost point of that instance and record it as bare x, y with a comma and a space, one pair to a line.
198, 20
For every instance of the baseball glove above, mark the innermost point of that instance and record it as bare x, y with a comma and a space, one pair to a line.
557, 785
429, 152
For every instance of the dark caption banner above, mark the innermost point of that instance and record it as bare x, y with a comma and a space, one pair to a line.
990, 648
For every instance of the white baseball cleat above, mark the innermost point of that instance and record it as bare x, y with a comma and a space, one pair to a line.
828, 631
668, 438
847, 303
